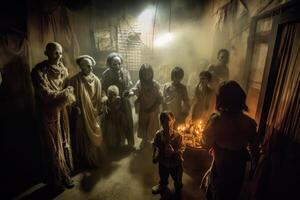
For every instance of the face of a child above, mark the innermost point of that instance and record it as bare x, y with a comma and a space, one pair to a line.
203, 80
176, 80
147, 75
223, 58
168, 125
112, 96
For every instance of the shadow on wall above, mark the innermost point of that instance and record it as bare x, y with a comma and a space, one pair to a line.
20, 145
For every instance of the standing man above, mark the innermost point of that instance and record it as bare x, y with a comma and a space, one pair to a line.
220, 71
52, 97
120, 77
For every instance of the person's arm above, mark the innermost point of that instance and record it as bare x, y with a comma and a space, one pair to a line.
46, 94
181, 147
158, 99
164, 97
155, 145
186, 100
253, 142
208, 137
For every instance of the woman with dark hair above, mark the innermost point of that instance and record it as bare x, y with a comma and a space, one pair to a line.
175, 95
232, 139
147, 104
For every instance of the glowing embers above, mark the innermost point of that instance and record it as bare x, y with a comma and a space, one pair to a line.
164, 39
192, 133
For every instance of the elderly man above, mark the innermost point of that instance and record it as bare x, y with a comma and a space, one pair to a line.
120, 77
52, 97
87, 135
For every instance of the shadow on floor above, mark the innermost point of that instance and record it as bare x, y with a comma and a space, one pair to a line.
92, 176
44, 193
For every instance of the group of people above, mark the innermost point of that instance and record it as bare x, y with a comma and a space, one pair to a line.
99, 113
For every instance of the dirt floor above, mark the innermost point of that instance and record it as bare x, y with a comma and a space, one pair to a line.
127, 175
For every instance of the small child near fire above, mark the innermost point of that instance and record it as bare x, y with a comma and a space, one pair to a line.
168, 149
203, 101
175, 96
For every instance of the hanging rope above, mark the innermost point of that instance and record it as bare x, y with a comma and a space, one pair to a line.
154, 22
170, 16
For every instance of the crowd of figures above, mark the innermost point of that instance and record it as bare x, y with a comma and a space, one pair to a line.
81, 117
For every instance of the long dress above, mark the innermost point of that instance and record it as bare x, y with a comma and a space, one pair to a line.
229, 135
148, 100
51, 101
86, 131
176, 100
122, 80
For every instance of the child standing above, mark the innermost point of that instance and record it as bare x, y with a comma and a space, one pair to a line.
168, 149
115, 122
202, 105
147, 104
175, 96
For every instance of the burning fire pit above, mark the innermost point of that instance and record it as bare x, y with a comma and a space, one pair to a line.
191, 133
196, 159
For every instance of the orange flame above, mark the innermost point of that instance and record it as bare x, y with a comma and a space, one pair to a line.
192, 132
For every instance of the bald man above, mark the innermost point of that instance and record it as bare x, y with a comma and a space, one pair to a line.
52, 97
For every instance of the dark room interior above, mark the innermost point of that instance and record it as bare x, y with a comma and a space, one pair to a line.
150, 99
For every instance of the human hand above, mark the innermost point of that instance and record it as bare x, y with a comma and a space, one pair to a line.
71, 98
154, 159
78, 110
70, 89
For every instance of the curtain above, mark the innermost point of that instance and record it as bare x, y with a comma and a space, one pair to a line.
278, 173
284, 111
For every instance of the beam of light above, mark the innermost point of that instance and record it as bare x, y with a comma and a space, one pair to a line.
145, 19
164, 39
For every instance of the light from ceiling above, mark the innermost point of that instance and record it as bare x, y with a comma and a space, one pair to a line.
145, 19
164, 39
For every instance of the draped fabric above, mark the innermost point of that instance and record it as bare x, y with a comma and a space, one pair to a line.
87, 133
51, 99
277, 175
284, 111
19, 142
52, 27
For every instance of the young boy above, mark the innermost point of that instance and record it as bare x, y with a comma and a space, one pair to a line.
175, 96
168, 150
203, 103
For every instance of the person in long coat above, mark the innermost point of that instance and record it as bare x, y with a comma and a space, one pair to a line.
52, 98
86, 129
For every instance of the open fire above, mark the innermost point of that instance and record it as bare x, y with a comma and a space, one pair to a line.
191, 132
